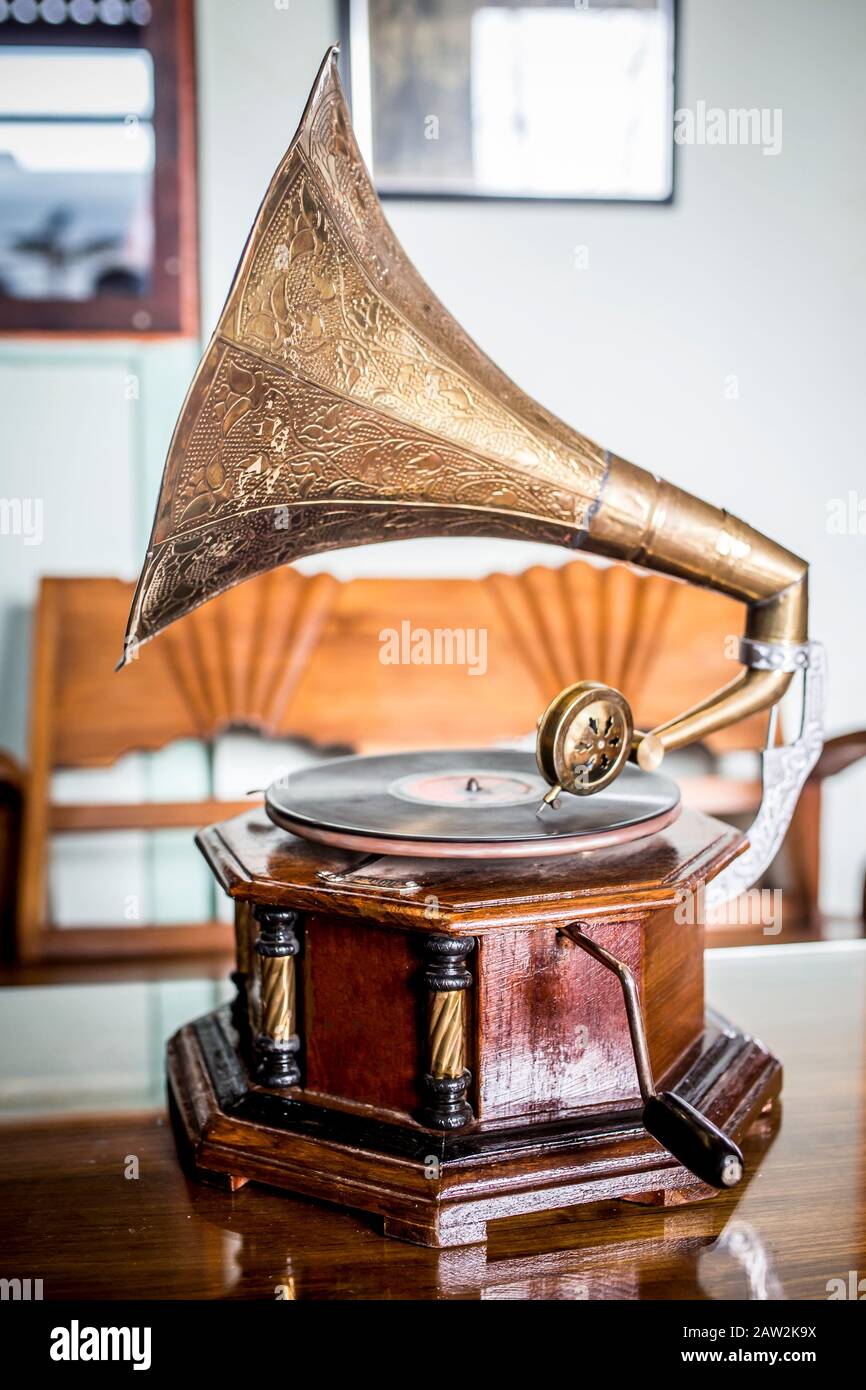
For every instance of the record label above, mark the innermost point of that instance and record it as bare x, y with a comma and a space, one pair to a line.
469, 786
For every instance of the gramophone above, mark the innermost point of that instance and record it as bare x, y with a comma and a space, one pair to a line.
467, 986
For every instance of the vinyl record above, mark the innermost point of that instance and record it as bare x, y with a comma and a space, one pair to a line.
465, 803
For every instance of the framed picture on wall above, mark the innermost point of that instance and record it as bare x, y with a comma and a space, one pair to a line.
97, 168
559, 99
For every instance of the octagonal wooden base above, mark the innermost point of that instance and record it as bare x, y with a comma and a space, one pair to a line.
440, 1189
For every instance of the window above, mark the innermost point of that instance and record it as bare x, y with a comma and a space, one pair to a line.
96, 167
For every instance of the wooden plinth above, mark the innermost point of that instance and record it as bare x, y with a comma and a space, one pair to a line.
422, 1040
441, 1189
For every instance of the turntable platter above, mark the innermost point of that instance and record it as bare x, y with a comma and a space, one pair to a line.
465, 804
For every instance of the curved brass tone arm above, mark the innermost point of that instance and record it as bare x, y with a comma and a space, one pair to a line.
648, 522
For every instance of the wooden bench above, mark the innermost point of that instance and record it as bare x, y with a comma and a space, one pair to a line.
299, 657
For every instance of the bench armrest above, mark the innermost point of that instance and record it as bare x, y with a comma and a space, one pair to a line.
12, 775
838, 753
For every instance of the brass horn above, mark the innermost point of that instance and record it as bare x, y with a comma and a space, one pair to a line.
338, 403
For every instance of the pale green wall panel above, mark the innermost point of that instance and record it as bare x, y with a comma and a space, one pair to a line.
93, 1047
84, 429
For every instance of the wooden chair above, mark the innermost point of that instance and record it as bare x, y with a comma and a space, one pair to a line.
294, 656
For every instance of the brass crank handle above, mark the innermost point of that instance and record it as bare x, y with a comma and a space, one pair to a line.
679, 1127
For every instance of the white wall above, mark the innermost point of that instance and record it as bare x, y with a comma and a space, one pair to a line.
756, 271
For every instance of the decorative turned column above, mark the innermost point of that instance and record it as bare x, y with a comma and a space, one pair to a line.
446, 1079
276, 1043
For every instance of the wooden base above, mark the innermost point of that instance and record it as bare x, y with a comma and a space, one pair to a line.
442, 1189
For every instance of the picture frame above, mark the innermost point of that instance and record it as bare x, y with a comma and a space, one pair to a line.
543, 100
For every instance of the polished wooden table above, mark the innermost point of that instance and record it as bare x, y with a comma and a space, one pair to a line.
69, 1216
